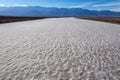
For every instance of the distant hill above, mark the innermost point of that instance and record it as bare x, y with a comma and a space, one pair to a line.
51, 11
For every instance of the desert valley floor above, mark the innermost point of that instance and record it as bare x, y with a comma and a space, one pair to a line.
59, 49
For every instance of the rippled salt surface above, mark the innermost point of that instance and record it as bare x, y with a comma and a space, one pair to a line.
60, 49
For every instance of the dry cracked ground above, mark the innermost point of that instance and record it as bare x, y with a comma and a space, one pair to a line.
59, 49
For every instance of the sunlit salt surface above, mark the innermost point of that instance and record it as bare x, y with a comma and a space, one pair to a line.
59, 49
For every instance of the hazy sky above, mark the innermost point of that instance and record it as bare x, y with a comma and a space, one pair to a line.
87, 4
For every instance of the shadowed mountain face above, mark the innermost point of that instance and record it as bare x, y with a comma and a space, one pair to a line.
51, 11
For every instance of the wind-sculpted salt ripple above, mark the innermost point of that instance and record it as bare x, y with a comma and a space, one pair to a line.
59, 49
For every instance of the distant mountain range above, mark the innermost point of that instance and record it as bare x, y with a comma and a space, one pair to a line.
52, 11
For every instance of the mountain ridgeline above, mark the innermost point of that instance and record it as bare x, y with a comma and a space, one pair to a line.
38, 11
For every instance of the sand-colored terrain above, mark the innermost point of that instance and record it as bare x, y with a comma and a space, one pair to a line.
59, 49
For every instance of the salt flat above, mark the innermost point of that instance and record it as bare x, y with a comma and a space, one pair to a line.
59, 49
